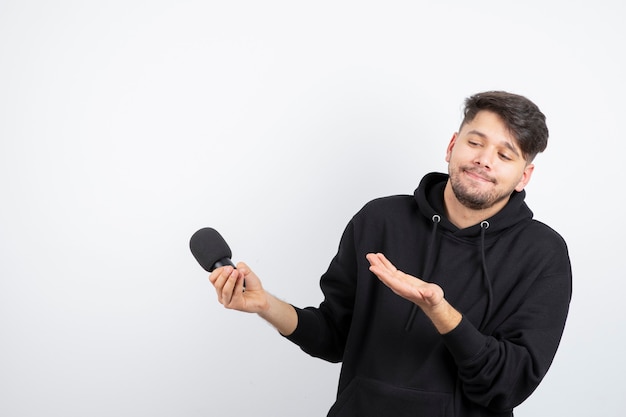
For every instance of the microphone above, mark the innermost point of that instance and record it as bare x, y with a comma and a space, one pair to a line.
210, 249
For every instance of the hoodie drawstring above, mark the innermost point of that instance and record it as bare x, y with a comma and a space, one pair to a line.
484, 225
429, 262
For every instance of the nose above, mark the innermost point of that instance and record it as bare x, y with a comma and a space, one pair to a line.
483, 159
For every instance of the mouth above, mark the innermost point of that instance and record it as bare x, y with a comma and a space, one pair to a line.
478, 176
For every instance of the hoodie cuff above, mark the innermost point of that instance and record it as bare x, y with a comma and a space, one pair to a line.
464, 341
307, 320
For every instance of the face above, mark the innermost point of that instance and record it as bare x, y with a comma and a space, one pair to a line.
485, 163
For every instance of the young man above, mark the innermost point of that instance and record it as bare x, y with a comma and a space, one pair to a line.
450, 302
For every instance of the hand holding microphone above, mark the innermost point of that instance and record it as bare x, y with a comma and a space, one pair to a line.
213, 254
237, 288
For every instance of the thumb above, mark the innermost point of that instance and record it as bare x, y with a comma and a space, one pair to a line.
252, 280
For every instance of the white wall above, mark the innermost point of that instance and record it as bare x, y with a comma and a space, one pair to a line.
127, 125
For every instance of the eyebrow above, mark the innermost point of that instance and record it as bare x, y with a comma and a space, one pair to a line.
508, 144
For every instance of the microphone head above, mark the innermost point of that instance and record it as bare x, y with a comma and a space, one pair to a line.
209, 248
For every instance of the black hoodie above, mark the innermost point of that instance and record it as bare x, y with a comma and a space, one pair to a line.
509, 276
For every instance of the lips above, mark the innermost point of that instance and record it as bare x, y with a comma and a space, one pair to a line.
478, 175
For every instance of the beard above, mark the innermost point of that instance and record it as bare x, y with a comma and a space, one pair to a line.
472, 196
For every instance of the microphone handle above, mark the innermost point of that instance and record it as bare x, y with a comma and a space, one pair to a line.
222, 262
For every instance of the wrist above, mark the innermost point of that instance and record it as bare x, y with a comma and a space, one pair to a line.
444, 317
279, 314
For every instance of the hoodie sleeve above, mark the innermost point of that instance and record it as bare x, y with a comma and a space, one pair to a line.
501, 369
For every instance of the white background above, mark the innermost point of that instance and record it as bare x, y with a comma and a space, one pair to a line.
125, 126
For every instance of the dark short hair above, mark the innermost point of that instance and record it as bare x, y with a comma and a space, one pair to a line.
520, 115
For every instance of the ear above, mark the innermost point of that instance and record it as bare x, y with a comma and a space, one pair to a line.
450, 146
528, 172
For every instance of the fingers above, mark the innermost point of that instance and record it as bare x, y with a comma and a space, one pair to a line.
228, 283
380, 265
375, 258
424, 294
386, 263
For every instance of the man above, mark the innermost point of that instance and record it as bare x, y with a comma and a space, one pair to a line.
450, 302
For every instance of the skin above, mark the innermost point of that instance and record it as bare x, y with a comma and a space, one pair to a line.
485, 165
228, 283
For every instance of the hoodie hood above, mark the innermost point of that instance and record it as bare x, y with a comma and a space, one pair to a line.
429, 197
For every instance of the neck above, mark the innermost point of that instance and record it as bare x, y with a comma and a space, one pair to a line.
462, 216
